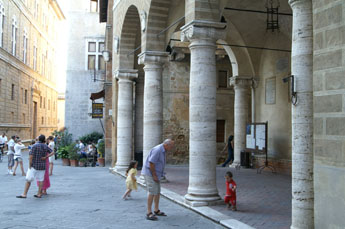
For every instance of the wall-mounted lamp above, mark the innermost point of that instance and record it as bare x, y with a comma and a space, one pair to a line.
106, 56
293, 92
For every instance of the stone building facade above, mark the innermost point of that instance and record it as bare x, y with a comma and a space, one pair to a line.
168, 64
28, 65
85, 70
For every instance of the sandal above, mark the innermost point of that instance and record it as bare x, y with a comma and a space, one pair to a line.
151, 216
159, 213
37, 196
21, 197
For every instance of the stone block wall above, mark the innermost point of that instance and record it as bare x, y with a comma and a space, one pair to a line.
176, 109
329, 113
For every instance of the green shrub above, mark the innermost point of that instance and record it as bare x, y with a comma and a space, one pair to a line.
83, 160
72, 152
62, 152
92, 137
64, 138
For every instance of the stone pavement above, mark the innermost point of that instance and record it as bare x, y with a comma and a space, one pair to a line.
263, 200
85, 198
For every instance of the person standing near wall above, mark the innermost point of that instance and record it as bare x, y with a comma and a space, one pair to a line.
229, 145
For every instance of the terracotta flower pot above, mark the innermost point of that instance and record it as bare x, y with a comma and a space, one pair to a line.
74, 163
65, 162
82, 164
101, 162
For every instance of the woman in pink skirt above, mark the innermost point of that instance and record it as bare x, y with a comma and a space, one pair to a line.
46, 181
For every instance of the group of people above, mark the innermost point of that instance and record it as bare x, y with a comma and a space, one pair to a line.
153, 171
40, 165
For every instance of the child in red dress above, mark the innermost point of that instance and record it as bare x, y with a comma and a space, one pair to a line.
230, 196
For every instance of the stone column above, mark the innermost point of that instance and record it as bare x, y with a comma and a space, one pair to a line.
139, 113
241, 85
302, 115
125, 118
153, 98
202, 189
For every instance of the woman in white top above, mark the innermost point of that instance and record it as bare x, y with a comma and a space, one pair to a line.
18, 158
51, 145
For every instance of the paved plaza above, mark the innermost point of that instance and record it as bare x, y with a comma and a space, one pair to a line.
85, 198
263, 200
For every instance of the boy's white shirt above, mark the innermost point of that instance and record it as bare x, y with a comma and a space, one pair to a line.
18, 150
3, 140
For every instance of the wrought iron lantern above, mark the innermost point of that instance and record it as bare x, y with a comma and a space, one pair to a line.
272, 8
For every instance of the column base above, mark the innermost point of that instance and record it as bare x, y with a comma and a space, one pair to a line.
235, 165
198, 201
120, 168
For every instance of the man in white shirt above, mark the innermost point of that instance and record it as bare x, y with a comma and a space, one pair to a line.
10, 154
3, 141
18, 158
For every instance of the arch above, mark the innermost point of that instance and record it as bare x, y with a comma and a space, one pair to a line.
130, 38
157, 21
232, 57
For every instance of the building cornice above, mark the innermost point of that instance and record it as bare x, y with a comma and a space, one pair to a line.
56, 7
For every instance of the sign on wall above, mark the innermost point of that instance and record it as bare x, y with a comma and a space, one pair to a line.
270, 91
97, 110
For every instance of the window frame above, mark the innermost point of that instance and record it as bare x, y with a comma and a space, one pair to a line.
14, 29
25, 46
97, 54
2, 23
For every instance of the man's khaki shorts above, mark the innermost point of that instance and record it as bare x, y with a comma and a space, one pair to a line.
153, 188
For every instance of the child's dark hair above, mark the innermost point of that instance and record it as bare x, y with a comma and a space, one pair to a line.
33, 142
131, 165
228, 174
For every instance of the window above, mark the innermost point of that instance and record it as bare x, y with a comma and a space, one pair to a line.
40, 101
222, 79
93, 6
23, 118
2, 23
95, 59
36, 9
43, 65
220, 130
48, 104
44, 103
25, 46
12, 92
12, 117
22, 94
35, 55
54, 106
26, 97
14, 36
42, 121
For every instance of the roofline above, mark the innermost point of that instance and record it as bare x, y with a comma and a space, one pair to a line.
57, 9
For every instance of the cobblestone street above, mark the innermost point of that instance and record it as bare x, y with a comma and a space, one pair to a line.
85, 198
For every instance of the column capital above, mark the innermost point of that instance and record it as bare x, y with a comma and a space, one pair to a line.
126, 74
241, 81
204, 30
153, 57
293, 3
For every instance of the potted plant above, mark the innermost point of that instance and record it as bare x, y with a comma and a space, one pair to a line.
100, 151
73, 155
63, 154
82, 162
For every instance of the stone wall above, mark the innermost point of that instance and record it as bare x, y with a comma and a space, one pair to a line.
276, 108
33, 79
329, 113
176, 108
79, 80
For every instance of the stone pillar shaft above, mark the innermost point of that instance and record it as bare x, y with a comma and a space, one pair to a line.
125, 118
153, 99
241, 86
302, 116
202, 187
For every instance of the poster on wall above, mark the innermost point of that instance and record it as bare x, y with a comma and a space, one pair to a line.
270, 90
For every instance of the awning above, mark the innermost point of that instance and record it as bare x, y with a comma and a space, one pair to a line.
97, 95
